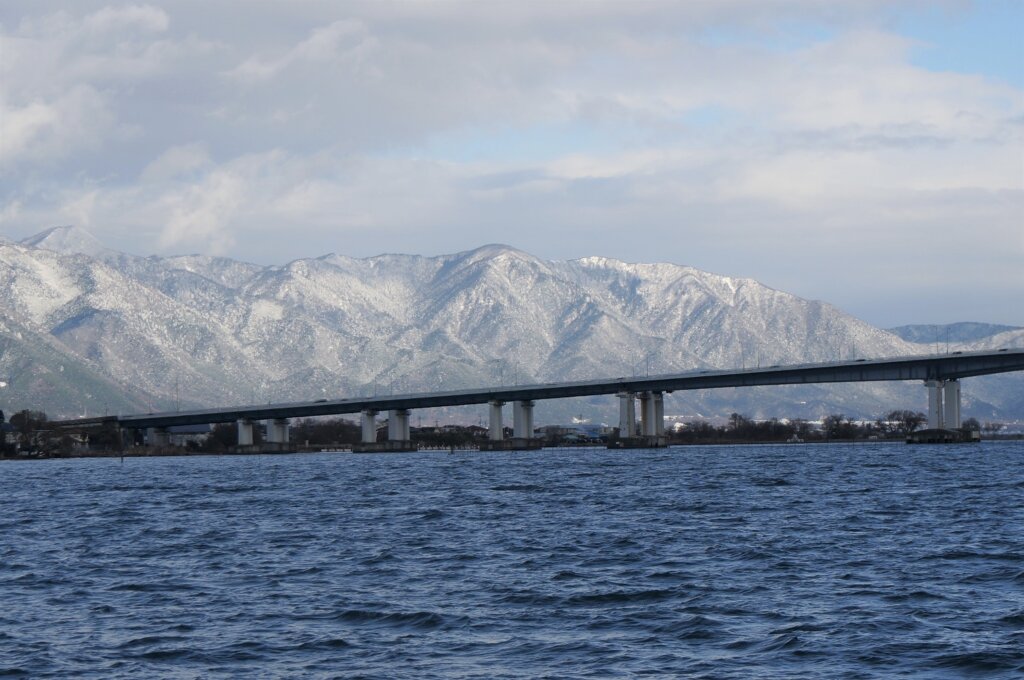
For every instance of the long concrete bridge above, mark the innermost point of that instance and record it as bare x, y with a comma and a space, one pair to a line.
940, 373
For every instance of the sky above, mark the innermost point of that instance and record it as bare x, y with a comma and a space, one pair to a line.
869, 153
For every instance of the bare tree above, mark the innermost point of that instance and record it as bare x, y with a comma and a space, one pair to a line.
904, 421
991, 428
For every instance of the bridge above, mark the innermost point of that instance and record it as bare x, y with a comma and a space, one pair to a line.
940, 373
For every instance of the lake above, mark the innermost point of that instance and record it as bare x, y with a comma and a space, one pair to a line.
855, 561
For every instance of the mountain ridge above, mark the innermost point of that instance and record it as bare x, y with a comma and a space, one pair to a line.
201, 331
940, 334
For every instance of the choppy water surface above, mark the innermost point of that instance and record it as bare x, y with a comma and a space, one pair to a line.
725, 562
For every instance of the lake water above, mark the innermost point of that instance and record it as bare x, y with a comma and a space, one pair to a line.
855, 561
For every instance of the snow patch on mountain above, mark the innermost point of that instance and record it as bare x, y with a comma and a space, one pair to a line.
67, 240
200, 330
939, 335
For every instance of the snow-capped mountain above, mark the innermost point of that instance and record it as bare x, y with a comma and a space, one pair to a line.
68, 239
87, 328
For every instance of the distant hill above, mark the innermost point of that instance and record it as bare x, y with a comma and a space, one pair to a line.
88, 329
964, 331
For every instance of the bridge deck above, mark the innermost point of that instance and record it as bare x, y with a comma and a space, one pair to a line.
930, 367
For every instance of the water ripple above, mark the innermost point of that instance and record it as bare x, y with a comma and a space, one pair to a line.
867, 561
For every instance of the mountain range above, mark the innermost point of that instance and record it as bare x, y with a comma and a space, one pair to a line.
87, 330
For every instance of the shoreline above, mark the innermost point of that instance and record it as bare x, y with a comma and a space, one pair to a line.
166, 453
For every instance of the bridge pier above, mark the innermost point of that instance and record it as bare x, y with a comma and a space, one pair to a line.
943, 404
653, 406
522, 429
522, 419
277, 431
398, 439
951, 405
369, 423
398, 426
646, 418
934, 404
653, 414
158, 436
245, 433
659, 415
652, 421
627, 415
944, 419
496, 429
277, 435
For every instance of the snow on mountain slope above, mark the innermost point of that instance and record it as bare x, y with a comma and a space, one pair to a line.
732, 322
131, 333
67, 240
939, 335
1010, 338
203, 330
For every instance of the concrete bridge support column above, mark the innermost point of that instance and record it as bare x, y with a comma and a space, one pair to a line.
647, 414
627, 415
245, 437
659, 414
277, 431
522, 419
522, 428
951, 405
158, 436
398, 425
369, 420
496, 432
934, 404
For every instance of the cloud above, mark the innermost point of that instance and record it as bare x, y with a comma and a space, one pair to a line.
176, 162
200, 214
133, 17
39, 132
67, 80
49, 53
341, 41
742, 136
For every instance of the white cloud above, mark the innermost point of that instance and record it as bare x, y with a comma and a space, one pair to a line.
42, 131
712, 133
200, 214
111, 19
80, 207
66, 80
177, 161
341, 41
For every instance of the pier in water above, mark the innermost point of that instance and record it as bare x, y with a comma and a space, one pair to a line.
859, 561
